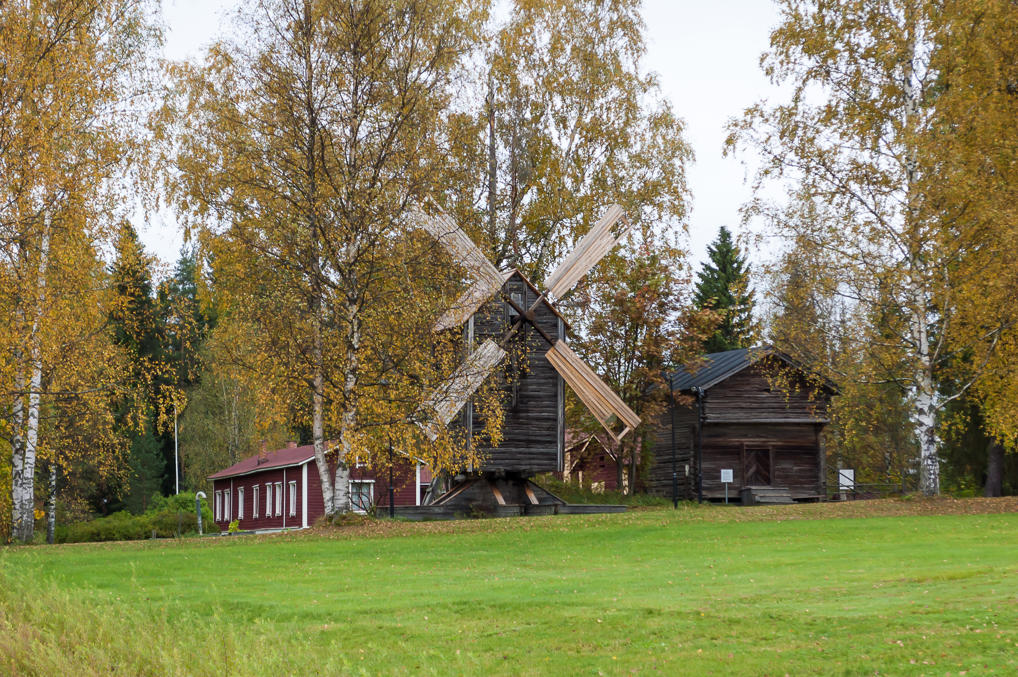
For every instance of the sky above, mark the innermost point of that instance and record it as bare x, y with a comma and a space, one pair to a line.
706, 56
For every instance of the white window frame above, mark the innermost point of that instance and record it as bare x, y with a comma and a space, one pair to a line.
279, 499
227, 506
256, 496
371, 495
268, 499
240, 503
219, 504
293, 498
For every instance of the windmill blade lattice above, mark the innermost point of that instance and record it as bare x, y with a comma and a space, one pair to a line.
607, 407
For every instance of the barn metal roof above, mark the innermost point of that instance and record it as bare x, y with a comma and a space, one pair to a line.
713, 368
709, 370
281, 458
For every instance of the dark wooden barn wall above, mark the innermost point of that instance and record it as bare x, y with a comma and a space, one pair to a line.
751, 395
747, 410
531, 432
659, 478
794, 456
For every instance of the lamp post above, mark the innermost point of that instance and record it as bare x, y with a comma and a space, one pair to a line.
197, 508
392, 492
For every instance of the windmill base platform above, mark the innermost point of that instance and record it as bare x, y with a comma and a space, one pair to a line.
496, 495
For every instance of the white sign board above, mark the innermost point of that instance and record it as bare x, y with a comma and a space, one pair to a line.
846, 479
726, 475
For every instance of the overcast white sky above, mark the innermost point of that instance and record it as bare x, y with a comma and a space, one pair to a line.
706, 54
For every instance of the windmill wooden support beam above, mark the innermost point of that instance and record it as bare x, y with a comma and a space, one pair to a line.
607, 407
446, 401
592, 247
459, 245
476, 295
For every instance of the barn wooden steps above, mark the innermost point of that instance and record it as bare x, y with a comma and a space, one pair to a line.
765, 495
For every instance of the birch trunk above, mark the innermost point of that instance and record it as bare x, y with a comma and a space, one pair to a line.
23, 483
51, 511
348, 424
17, 450
926, 431
318, 431
927, 399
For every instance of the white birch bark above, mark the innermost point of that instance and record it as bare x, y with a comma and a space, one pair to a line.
51, 508
17, 450
318, 429
23, 484
926, 399
348, 423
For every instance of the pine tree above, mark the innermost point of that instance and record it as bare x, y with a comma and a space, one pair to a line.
722, 285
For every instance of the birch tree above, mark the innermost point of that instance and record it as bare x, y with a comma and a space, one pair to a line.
301, 146
562, 120
67, 71
857, 142
977, 156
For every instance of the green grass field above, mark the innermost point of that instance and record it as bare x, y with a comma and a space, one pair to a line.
701, 590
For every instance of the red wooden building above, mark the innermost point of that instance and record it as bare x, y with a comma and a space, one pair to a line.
590, 462
282, 490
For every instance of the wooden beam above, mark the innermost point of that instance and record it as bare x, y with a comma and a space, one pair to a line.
591, 248
458, 244
605, 405
446, 400
476, 295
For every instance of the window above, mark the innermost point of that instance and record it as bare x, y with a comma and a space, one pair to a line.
268, 500
219, 508
293, 499
361, 495
279, 499
254, 502
240, 503
226, 505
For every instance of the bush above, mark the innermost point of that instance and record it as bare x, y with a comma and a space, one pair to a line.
573, 493
167, 514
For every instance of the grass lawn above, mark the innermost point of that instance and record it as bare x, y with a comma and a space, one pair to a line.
889, 587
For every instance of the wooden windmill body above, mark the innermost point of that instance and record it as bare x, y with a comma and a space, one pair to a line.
509, 323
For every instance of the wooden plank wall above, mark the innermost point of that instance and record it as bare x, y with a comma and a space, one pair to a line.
659, 477
751, 395
794, 456
530, 441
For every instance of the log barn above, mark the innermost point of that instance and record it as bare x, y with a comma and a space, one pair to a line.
753, 412
282, 490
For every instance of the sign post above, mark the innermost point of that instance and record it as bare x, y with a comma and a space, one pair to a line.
726, 478
846, 481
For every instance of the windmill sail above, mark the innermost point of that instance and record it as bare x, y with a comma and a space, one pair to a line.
592, 247
448, 399
476, 295
457, 243
607, 407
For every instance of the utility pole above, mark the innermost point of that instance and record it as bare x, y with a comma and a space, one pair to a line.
176, 455
675, 467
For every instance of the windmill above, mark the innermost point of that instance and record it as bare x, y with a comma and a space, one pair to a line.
533, 434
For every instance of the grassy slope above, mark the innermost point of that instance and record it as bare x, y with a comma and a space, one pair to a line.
699, 590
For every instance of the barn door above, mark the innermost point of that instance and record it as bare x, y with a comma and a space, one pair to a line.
758, 466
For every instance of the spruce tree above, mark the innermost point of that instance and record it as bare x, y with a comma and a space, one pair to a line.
138, 328
722, 285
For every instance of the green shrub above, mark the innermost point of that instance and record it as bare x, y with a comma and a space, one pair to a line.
573, 493
165, 517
